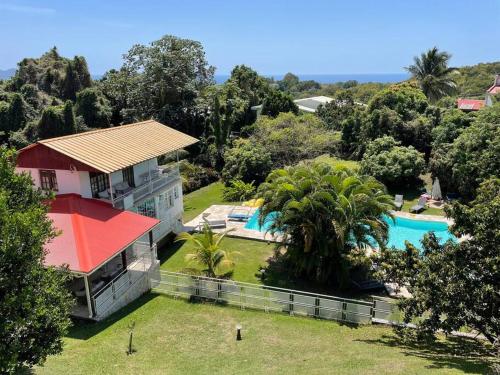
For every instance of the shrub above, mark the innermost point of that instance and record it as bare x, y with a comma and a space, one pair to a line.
247, 162
238, 191
391, 163
195, 176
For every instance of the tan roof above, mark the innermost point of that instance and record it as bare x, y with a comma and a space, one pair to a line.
112, 149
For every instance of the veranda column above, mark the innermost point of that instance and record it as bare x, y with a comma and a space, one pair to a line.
87, 293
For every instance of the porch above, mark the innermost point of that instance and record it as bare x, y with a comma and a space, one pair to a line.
111, 286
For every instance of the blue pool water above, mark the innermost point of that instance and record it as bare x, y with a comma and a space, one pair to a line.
400, 229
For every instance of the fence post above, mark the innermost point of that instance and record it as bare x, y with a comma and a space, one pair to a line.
316, 309
290, 305
219, 290
344, 309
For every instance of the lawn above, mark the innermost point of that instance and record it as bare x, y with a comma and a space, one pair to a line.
247, 255
177, 337
198, 201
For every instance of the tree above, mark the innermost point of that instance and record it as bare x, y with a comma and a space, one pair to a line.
454, 285
69, 118
289, 138
208, 252
71, 83
17, 113
82, 72
34, 313
238, 191
337, 110
166, 80
246, 161
324, 214
391, 163
433, 74
93, 107
277, 102
289, 82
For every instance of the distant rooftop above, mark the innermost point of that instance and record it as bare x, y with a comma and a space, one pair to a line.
311, 104
495, 89
470, 104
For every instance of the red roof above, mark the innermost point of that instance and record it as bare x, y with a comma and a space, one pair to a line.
495, 89
470, 104
92, 232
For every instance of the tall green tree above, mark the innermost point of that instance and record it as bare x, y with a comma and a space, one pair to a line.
277, 102
454, 285
166, 79
17, 113
324, 213
433, 74
69, 118
70, 83
93, 107
35, 304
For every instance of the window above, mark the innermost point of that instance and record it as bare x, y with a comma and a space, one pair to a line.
176, 192
48, 180
128, 176
170, 199
147, 208
98, 182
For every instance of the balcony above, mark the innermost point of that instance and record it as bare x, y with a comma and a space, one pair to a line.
155, 181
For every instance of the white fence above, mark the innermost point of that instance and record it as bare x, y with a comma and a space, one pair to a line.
128, 285
269, 298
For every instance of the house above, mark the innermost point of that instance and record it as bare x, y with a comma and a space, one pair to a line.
468, 105
113, 204
311, 104
493, 90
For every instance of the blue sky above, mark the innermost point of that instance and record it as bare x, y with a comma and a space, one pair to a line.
273, 36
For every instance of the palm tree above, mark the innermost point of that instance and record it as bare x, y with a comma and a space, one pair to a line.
208, 252
324, 213
433, 74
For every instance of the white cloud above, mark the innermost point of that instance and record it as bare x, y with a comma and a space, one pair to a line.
26, 9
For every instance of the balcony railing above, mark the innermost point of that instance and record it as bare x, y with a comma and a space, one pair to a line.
128, 199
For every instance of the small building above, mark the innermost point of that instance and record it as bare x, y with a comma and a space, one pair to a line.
468, 105
492, 91
113, 203
311, 104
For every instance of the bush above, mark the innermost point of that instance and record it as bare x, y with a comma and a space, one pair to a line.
195, 176
247, 162
238, 191
391, 163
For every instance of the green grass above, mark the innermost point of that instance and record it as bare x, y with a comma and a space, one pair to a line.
352, 164
412, 194
198, 201
177, 337
248, 256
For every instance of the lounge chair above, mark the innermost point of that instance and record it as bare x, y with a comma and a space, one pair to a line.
212, 223
239, 214
398, 201
419, 206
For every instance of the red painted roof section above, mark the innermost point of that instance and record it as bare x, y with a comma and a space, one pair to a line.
470, 104
494, 90
92, 232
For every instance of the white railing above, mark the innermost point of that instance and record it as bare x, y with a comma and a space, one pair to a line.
268, 298
136, 270
148, 188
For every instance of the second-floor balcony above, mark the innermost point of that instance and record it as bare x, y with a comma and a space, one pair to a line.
125, 196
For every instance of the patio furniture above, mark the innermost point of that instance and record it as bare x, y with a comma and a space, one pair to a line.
398, 201
103, 194
212, 223
122, 188
239, 214
419, 206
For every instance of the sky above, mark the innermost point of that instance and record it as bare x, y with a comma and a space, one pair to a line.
271, 36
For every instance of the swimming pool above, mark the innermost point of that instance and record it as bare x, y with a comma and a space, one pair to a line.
401, 229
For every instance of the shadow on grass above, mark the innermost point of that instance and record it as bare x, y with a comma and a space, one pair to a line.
168, 248
83, 330
464, 354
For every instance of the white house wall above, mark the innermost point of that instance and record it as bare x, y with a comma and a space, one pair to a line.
75, 182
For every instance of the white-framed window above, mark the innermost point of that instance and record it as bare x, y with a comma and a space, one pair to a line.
170, 202
147, 208
176, 192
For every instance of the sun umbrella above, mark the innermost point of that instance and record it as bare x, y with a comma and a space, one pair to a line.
436, 190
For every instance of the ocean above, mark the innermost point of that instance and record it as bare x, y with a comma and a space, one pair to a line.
334, 78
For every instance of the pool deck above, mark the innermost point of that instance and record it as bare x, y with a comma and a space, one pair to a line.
221, 212
407, 215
